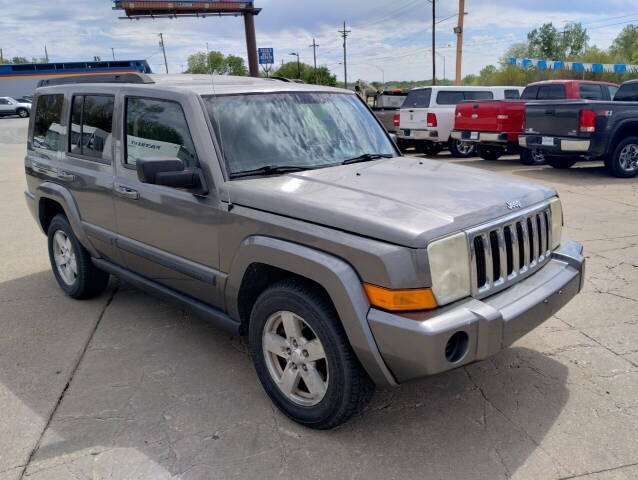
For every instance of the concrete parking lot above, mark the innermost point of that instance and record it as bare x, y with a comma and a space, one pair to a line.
129, 387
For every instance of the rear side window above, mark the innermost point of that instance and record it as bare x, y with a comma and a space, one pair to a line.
628, 92
158, 129
418, 98
530, 93
478, 95
551, 92
449, 97
591, 91
92, 126
512, 94
47, 130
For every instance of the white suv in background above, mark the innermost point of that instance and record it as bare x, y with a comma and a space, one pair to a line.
427, 116
11, 106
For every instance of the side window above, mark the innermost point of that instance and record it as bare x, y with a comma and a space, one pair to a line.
157, 128
551, 92
4, 101
530, 93
478, 95
449, 97
92, 126
47, 131
589, 91
512, 95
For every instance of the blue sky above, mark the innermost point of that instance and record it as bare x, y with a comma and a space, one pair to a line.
389, 38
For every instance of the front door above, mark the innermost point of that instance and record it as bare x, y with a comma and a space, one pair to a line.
166, 234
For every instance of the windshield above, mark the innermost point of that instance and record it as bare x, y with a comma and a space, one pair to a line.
294, 129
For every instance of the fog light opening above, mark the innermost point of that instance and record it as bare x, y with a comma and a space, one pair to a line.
456, 347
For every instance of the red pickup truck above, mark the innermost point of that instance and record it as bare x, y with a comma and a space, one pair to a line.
496, 124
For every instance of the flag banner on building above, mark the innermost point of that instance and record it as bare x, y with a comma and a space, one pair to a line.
573, 66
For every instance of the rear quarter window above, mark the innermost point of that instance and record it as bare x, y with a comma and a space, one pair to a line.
478, 95
47, 128
418, 98
449, 97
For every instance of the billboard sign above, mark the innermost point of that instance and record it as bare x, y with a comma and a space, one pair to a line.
176, 8
266, 56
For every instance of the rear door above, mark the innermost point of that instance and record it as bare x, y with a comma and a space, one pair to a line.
415, 109
167, 234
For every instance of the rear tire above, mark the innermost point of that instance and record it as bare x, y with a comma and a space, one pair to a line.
71, 262
22, 113
427, 148
461, 149
490, 152
291, 325
562, 163
532, 157
623, 162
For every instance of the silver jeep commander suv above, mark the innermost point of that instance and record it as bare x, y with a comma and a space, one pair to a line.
286, 213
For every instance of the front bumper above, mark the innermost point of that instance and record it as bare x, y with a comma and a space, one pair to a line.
557, 145
413, 345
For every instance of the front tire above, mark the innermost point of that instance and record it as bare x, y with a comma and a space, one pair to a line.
623, 162
532, 157
71, 262
490, 152
461, 149
303, 358
22, 113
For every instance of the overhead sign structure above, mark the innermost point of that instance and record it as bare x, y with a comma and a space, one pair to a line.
266, 56
245, 8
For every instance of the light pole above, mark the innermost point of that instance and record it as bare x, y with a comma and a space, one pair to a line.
296, 54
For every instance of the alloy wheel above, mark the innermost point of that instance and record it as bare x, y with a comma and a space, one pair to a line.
295, 358
64, 256
464, 148
628, 158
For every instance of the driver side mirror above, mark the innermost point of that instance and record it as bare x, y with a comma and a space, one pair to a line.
170, 172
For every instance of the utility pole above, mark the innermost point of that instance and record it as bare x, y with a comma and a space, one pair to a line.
161, 35
46, 54
344, 33
433, 42
1, 57
113, 52
459, 42
314, 54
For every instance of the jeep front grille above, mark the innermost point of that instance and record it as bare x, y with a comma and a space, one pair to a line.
509, 249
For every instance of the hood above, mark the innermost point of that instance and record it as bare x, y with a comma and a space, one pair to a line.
405, 200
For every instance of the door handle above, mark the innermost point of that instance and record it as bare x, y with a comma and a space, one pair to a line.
66, 176
127, 192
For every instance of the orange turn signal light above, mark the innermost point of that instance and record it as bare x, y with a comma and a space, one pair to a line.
400, 300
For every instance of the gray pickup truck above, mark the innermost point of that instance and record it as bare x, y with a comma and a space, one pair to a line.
285, 212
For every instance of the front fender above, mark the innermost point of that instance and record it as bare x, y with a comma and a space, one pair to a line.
62, 196
338, 278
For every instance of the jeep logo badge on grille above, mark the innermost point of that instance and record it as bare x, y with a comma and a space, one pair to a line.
514, 204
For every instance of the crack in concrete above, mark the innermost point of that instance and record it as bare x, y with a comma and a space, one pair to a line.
68, 383
604, 470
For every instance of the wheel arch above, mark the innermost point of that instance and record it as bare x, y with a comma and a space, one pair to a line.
628, 128
51, 199
280, 258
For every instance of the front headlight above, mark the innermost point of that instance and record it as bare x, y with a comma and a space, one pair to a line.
449, 260
556, 209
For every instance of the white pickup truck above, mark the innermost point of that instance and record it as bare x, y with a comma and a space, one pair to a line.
427, 116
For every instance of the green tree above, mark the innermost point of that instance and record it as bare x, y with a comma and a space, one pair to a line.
216, 62
625, 46
322, 76
292, 70
19, 60
549, 43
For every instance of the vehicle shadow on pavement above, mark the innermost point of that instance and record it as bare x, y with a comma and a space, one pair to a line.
159, 393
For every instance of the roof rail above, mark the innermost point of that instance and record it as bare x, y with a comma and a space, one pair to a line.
138, 78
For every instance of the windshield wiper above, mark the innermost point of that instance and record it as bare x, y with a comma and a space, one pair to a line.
366, 157
269, 170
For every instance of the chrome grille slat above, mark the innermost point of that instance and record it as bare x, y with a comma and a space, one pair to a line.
523, 250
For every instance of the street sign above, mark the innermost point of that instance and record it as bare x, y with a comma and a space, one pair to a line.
266, 56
